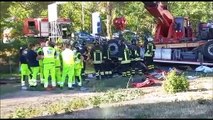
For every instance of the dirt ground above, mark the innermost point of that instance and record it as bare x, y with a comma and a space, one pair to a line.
196, 103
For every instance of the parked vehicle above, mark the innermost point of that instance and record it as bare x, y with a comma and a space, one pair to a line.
84, 36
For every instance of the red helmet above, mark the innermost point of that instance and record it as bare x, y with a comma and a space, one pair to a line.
120, 23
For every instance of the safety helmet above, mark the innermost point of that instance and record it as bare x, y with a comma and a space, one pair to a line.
83, 42
150, 39
134, 41
96, 41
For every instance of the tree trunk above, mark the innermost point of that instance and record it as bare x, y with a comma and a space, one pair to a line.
109, 19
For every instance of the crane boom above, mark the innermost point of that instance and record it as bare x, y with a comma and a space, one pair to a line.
174, 37
160, 12
165, 26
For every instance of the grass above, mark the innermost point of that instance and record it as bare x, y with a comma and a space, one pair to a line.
9, 88
106, 84
111, 96
114, 92
6, 76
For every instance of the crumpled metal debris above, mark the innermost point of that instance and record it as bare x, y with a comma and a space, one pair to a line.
204, 69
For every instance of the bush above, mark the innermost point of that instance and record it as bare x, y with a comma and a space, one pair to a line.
175, 83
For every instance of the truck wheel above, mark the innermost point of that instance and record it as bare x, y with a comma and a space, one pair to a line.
208, 50
113, 46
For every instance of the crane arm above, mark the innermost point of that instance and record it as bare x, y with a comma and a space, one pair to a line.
160, 12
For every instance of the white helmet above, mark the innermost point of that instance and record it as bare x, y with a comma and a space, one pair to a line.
150, 39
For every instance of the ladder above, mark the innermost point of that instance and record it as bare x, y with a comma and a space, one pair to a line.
55, 31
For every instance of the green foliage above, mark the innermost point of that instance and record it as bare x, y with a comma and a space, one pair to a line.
175, 83
77, 103
95, 101
12, 49
25, 113
112, 96
196, 11
138, 18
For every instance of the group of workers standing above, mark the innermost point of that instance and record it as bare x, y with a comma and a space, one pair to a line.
69, 60
55, 60
129, 58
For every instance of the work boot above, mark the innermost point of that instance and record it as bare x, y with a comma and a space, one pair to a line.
32, 88
54, 88
42, 84
61, 87
48, 88
123, 74
79, 84
71, 88
97, 78
24, 88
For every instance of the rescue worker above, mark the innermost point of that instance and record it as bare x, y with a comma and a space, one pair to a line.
84, 51
58, 67
107, 62
33, 63
41, 67
49, 64
24, 68
68, 66
136, 62
135, 57
149, 53
125, 58
78, 66
97, 58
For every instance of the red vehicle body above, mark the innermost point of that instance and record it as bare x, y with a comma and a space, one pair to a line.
40, 27
174, 38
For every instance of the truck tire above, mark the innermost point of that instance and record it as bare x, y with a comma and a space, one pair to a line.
208, 50
113, 46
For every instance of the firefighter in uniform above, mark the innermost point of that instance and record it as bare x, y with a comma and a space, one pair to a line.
97, 58
136, 62
78, 66
107, 65
149, 53
125, 59
49, 64
84, 52
58, 60
68, 66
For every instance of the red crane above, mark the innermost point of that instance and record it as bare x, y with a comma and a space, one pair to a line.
174, 38
169, 29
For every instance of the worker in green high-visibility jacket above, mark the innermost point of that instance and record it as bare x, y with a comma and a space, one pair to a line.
41, 66
68, 66
58, 67
24, 68
78, 66
49, 64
